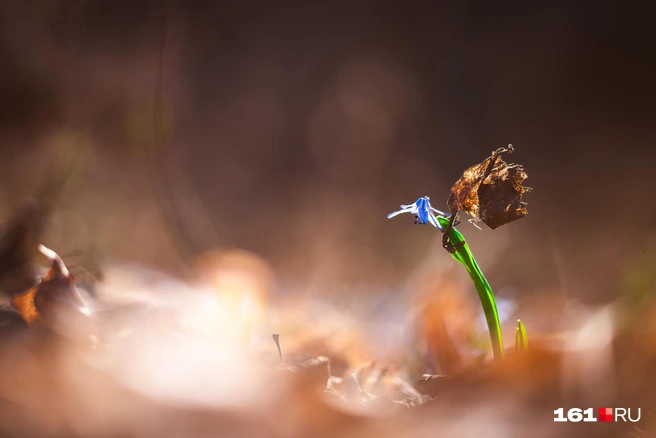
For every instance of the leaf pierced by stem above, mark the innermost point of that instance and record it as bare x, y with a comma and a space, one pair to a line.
491, 191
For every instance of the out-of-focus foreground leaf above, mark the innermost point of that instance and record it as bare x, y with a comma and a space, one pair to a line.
56, 290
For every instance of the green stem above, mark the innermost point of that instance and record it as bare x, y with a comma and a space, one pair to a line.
464, 256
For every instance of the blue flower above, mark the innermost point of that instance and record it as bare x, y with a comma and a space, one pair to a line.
422, 210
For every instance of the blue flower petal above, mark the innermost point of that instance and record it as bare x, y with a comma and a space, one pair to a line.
396, 213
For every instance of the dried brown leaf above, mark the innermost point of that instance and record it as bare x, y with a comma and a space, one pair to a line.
491, 191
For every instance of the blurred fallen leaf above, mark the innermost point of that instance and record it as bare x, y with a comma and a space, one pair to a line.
537, 371
314, 372
55, 301
24, 304
491, 191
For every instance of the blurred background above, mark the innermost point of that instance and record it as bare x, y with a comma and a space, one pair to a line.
289, 130
231, 164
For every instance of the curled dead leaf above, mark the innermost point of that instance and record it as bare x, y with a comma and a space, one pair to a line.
491, 191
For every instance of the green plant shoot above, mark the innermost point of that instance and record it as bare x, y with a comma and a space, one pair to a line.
521, 340
464, 256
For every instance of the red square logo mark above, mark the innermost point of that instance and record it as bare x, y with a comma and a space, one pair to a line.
605, 414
